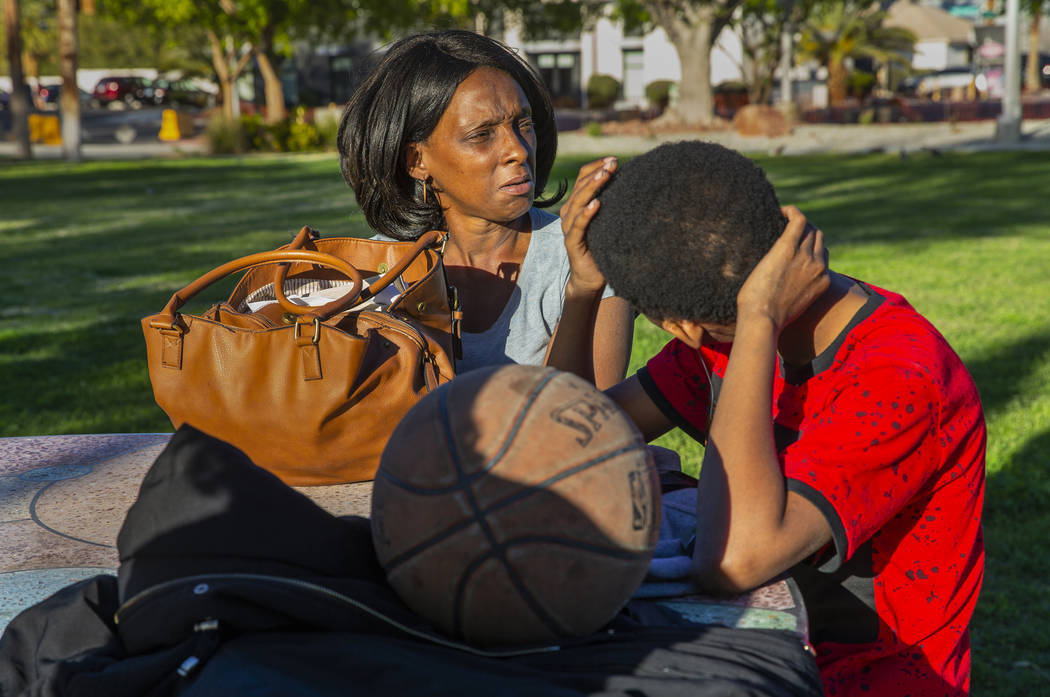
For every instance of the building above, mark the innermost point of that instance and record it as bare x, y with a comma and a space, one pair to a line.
635, 59
944, 40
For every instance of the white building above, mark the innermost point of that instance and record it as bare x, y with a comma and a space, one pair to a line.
943, 41
635, 60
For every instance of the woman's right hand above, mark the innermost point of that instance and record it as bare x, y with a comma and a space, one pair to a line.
576, 214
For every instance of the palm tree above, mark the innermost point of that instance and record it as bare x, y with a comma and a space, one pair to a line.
837, 31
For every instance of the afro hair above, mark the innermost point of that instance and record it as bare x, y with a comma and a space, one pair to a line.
680, 228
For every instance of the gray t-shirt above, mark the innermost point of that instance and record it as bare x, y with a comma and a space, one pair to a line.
524, 328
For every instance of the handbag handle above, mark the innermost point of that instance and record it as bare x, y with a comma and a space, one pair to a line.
166, 317
427, 239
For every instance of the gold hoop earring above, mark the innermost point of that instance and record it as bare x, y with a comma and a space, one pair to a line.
424, 190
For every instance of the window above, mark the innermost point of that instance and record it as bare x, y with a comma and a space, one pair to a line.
633, 75
561, 74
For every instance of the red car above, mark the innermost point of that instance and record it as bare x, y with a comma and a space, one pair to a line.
127, 91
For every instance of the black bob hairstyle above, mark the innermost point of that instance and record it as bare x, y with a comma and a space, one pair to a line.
681, 227
401, 102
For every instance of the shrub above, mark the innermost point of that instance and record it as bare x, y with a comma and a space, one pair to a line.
602, 91
326, 121
249, 133
658, 93
225, 136
860, 83
276, 136
302, 135
253, 132
594, 128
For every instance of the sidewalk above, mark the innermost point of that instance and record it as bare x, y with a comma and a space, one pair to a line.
139, 150
969, 136
806, 139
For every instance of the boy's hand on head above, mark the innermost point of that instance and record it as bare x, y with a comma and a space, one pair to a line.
789, 277
576, 214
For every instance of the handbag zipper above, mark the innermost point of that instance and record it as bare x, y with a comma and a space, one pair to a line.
330, 594
389, 321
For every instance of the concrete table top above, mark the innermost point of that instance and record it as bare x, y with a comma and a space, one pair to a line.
63, 500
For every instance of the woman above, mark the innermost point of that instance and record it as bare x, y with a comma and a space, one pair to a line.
454, 131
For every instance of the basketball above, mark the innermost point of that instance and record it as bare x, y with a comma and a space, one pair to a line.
515, 505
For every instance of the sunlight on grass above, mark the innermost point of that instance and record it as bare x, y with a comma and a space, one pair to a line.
89, 249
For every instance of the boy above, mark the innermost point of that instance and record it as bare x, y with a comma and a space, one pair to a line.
844, 438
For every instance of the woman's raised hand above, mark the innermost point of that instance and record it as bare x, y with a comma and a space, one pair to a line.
576, 214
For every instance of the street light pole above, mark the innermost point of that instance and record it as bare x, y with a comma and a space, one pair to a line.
1008, 126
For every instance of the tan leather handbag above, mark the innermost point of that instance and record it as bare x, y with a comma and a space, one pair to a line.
309, 387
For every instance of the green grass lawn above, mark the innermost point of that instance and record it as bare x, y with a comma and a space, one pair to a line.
88, 250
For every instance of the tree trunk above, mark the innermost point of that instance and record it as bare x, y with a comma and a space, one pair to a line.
70, 94
696, 98
222, 72
275, 108
227, 69
836, 81
19, 103
692, 28
1032, 79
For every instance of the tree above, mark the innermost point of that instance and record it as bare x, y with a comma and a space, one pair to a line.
692, 26
763, 23
271, 26
838, 30
1032, 80
19, 102
225, 33
174, 48
39, 37
238, 31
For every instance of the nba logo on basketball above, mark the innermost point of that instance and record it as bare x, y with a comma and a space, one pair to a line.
640, 498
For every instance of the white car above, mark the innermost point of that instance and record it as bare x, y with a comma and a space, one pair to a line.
950, 78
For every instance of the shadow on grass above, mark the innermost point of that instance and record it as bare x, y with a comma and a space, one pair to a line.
1006, 640
1000, 375
883, 198
1010, 642
88, 379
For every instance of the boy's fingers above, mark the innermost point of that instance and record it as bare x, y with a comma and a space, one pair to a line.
819, 250
796, 227
806, 244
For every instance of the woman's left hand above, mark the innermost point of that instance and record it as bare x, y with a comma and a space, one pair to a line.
576, 214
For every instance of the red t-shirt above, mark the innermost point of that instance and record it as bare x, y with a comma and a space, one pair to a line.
884, 434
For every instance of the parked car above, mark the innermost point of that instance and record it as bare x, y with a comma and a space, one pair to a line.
49, 97
123, 92
183, 93
5, 107
937, 81
5, 98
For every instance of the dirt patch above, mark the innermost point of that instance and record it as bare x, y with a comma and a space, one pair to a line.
651, 127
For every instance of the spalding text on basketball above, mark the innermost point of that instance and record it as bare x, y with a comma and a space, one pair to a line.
583, 416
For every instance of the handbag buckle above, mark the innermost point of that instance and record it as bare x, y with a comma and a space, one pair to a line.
167, 326
317, 330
